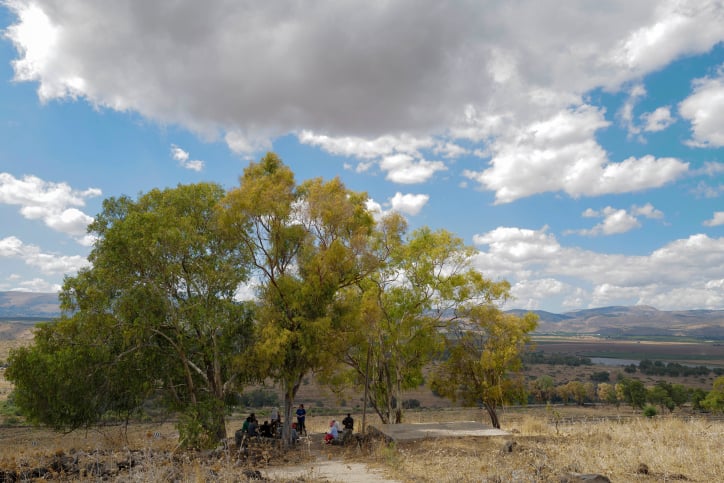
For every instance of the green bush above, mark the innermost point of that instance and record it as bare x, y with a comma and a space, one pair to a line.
650, 411
258, 398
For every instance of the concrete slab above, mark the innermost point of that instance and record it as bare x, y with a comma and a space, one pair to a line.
415, 431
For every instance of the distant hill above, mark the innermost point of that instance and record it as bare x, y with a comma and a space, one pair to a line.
633, 321
30, 305
617, 321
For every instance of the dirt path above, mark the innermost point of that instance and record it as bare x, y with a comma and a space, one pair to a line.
326, 464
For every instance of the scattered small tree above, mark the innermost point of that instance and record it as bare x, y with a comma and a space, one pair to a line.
714, 400
484, 357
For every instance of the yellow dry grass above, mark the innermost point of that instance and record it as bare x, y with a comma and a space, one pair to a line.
672, 448
631, 449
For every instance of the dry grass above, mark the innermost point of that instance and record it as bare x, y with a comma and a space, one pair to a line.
670, 448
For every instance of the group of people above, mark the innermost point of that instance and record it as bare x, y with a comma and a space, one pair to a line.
272, 429
334, 433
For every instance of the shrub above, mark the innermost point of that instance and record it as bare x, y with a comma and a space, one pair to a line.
650, 411
259, 398
410, 404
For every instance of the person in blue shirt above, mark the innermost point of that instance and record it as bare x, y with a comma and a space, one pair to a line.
301, 415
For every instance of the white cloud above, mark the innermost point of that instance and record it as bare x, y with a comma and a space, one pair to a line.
399, 156
53, 203
528, 294
686, 270
616, 221
705, 110
565, 145
658, 120
39, 285
13, 247
648, 211
183, 159
342, 69
707, 191
627, 110
716, 220
409, 204
404, 169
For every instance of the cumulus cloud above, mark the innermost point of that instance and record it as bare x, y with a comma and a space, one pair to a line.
48, 263
404, 169
626, 113
716, 220
616, 221
565, 145
405, 204
686, 269
53, 203
658, 120
348, 75
705, 110
184, 160
400, 157
409, 204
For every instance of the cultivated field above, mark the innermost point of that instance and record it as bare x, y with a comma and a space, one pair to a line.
692, 352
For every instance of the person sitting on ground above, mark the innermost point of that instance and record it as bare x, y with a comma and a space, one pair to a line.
253, 428
294, 434
348, 422
332, 432
265, 430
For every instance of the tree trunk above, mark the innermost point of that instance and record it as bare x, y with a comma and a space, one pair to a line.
493, 415
220, 422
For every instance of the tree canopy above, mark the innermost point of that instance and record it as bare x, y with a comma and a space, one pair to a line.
308, 246
157, 314
155, 311
482, 359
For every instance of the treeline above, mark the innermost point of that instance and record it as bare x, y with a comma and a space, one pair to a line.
671, 369
647, 367
663, 394
555, 359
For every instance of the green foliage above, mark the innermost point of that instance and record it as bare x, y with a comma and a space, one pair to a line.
650, 411
697, 396
671, 369
155, 310
258, 398
423, 285
634, 392
556, 358
714, 400
308, 246
601, 376
484, 357
668, 396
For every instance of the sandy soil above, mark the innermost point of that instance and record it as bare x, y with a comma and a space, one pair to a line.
326, 463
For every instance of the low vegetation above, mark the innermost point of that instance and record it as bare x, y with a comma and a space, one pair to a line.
544, 444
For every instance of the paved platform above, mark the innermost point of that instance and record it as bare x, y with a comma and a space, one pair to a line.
415, 431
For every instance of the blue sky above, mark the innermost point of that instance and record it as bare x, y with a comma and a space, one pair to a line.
576, 145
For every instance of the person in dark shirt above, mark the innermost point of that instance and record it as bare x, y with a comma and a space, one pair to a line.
301, 415
348, 423
265, 430
253, 428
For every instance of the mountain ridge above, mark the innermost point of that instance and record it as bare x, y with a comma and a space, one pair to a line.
611, 321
